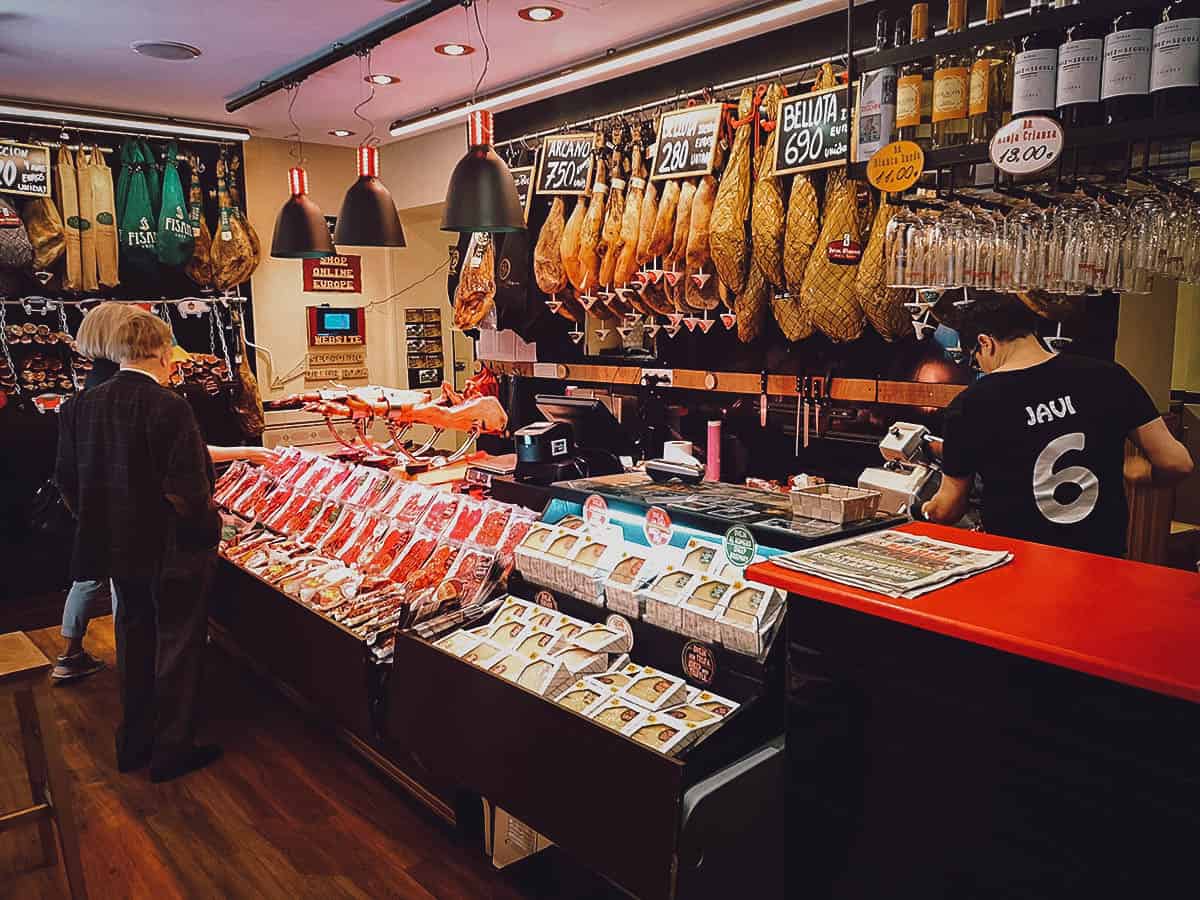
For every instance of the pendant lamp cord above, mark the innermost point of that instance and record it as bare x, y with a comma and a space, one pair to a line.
295, 135
487, 51
364, 62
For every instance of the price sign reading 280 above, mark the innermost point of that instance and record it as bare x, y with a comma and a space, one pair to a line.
687, 141
814, 131
565, 164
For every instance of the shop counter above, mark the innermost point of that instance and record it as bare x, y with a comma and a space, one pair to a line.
1030, 731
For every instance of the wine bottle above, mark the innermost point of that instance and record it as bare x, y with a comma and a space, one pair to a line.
1080, 55
1175, 59
1125, 74
914, 88
877, 101
952, 86
991, 82
1035, 65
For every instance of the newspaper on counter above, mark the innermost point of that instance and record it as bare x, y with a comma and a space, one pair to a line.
894, 563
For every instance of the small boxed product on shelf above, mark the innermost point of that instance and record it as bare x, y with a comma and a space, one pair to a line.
712, 703
662, 599
509, 634
654, 690
484, 654
609, 684
580, 697
508, 667
544, 676
631, 573
702, 607
458, 643
591, 565
581, 662
615, 713
600, 638
556, 569
538, 642
699, 556
530, 554
751, 614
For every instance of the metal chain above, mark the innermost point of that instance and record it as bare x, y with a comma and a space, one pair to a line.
220, 326
66, 329
7, 355
164, 313
212, 330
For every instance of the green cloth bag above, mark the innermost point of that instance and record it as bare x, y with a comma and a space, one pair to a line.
175, 238
128, 149
153, 179
139, 227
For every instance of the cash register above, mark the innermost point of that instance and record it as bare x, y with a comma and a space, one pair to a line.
579, 438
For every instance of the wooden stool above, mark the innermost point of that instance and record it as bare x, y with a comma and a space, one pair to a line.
23, 667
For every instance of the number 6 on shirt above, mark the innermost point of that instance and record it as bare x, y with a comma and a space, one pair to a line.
1046, 481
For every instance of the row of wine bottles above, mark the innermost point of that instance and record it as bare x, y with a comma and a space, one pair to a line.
1141, 62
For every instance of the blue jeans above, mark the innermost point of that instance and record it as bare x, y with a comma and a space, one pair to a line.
83, 603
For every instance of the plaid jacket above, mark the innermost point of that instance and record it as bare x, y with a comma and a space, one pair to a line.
123, 447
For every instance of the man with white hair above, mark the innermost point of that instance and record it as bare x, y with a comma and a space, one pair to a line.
134, 469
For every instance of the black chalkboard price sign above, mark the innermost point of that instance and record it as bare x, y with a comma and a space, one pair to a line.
814, 131
523, 178
565, 164
687, 141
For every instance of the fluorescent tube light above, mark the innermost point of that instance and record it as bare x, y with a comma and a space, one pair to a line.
95, 119
726, 31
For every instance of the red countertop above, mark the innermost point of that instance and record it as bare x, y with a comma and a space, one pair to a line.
1124, 621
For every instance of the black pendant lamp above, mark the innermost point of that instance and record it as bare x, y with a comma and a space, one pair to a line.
482, 195
368, 217
300, 229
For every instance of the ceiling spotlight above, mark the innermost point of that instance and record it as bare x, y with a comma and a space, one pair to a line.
380, 78
341, 132
454, 49
171, 50
540, 13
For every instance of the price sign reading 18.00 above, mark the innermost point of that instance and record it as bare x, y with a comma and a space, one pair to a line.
814, 131
687, 141
565, 164
1026, 145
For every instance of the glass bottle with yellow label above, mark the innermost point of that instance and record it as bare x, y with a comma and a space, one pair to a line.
914, 88
952, 86
991, 82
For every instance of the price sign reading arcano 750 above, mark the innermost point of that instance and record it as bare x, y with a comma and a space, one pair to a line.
814, 131
565, 164
687, 141
1026, 145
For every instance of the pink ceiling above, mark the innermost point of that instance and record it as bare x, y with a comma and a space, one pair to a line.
77, 53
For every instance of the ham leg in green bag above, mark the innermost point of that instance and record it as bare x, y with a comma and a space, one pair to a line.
153, 180
175, 237
139, 227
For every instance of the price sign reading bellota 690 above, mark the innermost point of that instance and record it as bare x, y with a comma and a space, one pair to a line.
814, 131
25, 169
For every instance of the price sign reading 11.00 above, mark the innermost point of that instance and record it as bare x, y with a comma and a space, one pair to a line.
565, 164
814, 131
687, 141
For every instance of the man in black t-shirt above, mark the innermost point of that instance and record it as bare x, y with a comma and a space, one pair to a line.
1046, 433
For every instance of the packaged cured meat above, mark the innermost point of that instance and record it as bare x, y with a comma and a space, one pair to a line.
384, 555
441, 511
303, 518
727, 233
228, 480
416, 501
470, 572
272, 502
244, 505
434, 570
491, 529
345, 492
412, 557
548, 269
370, 530
275, 520
322, 524
300, 468
767, 211
284, 461
470, 513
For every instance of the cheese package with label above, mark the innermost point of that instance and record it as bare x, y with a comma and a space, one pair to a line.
662, 598
665, 733
749, 618
459, 643
615, 713
699, 556
703, 606
544, 676
654, 690
580, 697
538, 642
484, 654
591, 565
600, 638
530, 554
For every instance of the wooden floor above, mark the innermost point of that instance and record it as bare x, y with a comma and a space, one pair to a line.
287, 812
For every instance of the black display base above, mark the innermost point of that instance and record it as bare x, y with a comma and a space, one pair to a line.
925, 766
